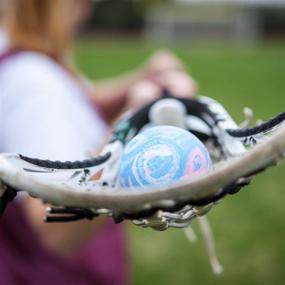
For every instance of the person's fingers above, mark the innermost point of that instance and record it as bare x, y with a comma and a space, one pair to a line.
178, 83
142, 93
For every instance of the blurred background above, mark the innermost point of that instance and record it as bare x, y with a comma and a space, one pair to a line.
235, 49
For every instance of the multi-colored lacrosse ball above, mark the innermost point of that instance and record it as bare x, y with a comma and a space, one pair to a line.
161, 156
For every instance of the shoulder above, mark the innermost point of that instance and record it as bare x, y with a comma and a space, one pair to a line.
27, 74
31, 66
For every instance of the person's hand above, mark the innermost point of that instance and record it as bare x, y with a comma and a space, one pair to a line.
178, 83
167, 71
142, 93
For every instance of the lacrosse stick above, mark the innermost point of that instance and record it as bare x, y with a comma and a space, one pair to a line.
238, 153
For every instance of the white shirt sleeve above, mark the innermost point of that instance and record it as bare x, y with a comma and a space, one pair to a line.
43, 111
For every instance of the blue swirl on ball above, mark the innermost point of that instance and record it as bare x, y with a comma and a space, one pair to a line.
161, 156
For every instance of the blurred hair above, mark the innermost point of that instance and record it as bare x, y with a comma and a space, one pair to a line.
1, 10
44, 26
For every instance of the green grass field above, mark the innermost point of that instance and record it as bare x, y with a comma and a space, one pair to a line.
249, 227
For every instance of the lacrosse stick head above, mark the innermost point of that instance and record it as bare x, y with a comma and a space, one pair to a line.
90, 188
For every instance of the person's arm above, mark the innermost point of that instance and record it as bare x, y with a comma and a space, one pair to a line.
111, 94
61, 238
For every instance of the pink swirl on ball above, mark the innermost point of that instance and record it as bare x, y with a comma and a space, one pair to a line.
197, 163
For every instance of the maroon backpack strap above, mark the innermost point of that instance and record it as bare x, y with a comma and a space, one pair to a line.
8, 54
